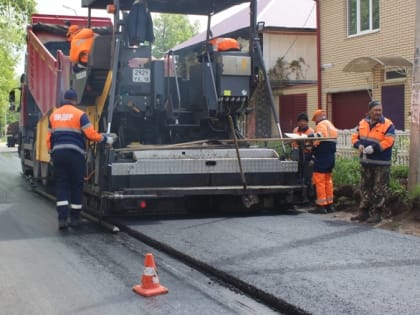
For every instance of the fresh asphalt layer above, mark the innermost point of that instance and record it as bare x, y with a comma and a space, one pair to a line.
89, 270
320, 265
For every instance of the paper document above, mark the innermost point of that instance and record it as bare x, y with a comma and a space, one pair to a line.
295, 135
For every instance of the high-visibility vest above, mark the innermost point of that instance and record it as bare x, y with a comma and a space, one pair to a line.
224, 44
380, 136
307, 144
81, 45
68, 127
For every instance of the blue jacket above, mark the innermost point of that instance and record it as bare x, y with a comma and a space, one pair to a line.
380, 136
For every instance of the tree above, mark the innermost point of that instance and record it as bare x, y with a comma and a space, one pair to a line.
170, 30
285, 71
14, 16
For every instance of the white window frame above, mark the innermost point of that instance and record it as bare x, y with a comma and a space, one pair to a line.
358, 31
402, 70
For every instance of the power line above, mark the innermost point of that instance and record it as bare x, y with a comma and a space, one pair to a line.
304, 24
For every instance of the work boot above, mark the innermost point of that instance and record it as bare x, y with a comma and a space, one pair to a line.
318, 210
62, 224
375, 218
361, 217
330, 208
75, 220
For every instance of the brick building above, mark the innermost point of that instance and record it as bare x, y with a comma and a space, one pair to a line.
366, 52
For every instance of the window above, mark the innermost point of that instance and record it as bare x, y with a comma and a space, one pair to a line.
395, 74
363, 16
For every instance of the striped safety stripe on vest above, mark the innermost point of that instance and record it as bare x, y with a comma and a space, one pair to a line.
379, 135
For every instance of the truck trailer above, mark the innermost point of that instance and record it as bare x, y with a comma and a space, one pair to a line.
179, 145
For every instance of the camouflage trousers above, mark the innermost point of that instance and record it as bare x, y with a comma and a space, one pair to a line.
374, 187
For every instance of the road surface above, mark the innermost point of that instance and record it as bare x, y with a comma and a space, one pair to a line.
89, 270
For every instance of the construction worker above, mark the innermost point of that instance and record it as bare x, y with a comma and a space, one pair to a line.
324, 160
374, 139
81, 41
71, 31
302, 152
68, 127
225, 44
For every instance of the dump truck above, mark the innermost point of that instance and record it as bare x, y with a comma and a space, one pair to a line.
179, 145
12, 134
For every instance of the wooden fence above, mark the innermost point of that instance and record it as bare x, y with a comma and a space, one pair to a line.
400, 149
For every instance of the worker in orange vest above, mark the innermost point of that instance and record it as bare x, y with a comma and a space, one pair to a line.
68, 128
302, 152
71, 31
81, 41
374, 138
324, 161
225, 44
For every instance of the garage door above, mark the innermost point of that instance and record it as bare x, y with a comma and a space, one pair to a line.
290, 107
348, 108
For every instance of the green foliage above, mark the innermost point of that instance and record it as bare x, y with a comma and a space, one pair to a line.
283, 70
414, 193
398, 180
346, 172
399, 171
170, 30
14, 16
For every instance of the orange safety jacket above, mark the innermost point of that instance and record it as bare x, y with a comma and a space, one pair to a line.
324, 151
224, 44
379, 135
80, 46
68, 127
308, 144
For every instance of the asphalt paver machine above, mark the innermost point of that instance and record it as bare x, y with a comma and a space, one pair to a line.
179, 145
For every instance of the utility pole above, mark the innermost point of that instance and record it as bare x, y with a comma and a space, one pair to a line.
414, 173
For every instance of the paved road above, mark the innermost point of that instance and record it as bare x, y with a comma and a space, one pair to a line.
320, 265
89, 271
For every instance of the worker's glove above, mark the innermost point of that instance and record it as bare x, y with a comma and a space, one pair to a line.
368, 150
361, 147
110, 138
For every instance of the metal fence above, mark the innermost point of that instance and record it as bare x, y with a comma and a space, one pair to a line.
400, 149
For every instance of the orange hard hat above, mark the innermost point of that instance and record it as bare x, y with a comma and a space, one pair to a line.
72, 29
317, 113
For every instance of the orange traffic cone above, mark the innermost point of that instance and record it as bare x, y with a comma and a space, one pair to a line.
150, 281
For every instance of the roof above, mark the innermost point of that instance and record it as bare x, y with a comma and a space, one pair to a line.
366, 64
196, 7
284, 14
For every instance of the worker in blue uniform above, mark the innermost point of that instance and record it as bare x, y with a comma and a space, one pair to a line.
68, 128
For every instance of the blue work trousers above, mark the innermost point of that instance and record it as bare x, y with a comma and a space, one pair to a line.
69, 171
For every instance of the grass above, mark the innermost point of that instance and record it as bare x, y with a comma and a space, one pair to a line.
347, 172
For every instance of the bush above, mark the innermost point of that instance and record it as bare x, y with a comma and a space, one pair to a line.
346, 171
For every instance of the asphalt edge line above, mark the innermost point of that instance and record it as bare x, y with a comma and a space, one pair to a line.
248, 289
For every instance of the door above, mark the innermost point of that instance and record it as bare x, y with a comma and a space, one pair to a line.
348, 108
290, 107
393, 104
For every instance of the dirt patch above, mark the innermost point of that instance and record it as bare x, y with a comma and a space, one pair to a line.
399, 216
